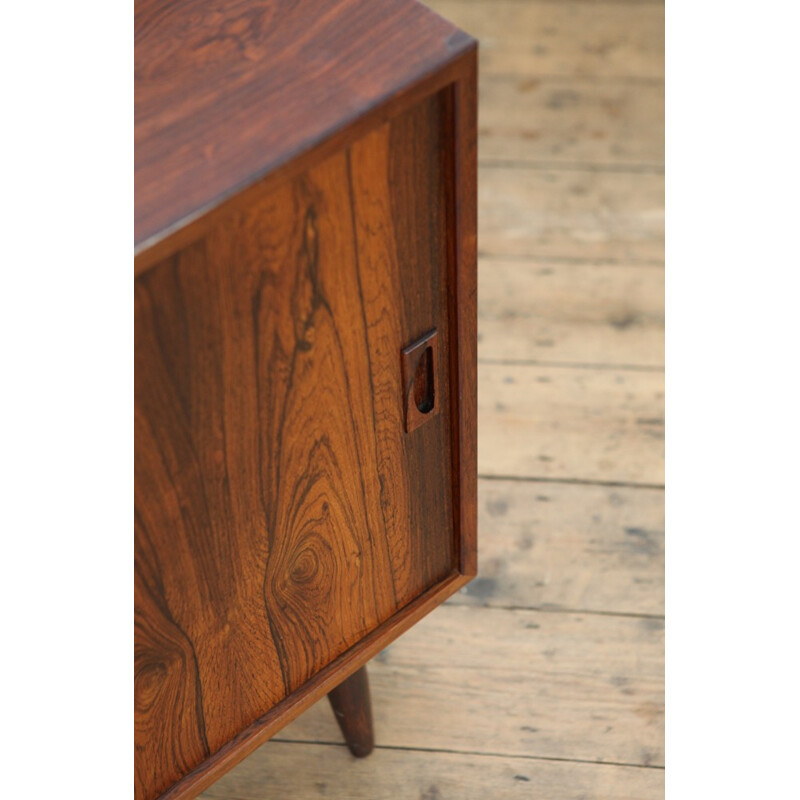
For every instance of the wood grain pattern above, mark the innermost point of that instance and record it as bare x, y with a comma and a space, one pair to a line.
321, 684
536, 423
286, 769
525, 38
282, 513
587, 687
225, 96
576, 313
569, 547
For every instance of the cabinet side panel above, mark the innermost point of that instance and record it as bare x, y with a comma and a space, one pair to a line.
282, 512
464, 228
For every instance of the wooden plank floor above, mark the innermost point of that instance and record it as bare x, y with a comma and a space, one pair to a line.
544, 677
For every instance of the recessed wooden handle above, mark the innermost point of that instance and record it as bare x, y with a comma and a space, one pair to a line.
420, 380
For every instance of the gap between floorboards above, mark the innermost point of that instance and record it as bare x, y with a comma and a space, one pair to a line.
593, 79
526, 362
550, 166
477, 754
560, 610
571, 481
555, 259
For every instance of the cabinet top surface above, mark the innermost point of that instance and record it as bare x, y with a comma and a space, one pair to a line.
228, 92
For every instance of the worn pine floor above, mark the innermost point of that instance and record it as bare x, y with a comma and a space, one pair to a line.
544, 677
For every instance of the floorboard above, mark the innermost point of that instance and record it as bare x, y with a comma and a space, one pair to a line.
586, 214
573, 424
551, 121
288, 770
517, 683
596, 39
589, 313
569, 547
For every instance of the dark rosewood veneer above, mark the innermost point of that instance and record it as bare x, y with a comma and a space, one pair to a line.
305, 312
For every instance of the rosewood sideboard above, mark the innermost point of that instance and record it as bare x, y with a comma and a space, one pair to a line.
305, 356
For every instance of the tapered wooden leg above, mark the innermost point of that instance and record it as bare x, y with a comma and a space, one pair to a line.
353, 711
